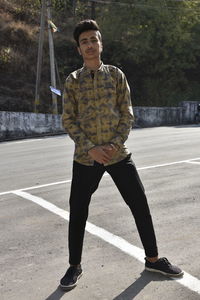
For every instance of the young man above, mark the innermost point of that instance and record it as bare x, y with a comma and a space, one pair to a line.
98, 117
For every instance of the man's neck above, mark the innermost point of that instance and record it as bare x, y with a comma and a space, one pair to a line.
93, 65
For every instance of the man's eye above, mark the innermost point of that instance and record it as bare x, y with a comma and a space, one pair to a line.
94, 41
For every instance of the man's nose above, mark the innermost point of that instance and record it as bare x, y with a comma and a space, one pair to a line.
89, 45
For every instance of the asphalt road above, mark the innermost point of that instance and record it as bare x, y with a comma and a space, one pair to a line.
34, 189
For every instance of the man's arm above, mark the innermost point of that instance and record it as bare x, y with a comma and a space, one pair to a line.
69, 117
125, 109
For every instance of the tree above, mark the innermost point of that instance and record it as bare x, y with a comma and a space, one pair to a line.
153, 42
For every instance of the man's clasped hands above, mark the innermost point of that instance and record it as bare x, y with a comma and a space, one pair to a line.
103, 153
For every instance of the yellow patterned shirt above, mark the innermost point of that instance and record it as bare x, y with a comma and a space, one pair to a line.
97, 110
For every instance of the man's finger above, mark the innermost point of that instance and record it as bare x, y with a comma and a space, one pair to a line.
107, 155
107, 147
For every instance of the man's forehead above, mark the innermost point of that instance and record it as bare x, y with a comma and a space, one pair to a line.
88, 34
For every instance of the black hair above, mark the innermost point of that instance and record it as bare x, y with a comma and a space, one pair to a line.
83, 26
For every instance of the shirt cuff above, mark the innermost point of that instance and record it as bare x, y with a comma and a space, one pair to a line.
117, 141
88, 145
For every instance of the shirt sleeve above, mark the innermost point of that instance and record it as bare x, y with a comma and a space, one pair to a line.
125, 110
69, 117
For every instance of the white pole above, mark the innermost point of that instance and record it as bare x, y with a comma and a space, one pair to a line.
52, 59
39, 61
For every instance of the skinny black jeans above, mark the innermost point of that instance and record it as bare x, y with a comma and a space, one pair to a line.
85, 181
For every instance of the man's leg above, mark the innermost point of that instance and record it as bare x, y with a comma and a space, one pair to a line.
130, 186
85, 181
127, 180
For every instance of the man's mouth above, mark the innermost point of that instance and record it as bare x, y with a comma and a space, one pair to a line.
90, 51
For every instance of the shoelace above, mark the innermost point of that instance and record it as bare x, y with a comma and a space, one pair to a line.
165, 261
71, 271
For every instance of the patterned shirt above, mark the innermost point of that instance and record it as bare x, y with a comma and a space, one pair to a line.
97, 110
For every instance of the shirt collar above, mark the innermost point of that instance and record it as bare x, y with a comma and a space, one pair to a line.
86, 70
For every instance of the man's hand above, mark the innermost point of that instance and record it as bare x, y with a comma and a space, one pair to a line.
99, 154
103, 153
110, 149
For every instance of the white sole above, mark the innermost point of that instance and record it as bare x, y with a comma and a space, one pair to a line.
164, 273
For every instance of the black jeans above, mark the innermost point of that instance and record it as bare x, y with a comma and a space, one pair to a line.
85, 181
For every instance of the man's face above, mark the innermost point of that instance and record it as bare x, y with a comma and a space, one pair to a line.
90, 45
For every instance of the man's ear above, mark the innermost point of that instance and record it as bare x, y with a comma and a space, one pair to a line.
101, 47
79, 50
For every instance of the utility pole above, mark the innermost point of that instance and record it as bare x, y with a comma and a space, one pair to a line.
52, 58
39, 61
74, 8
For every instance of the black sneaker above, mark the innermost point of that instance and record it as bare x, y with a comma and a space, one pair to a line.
71, 277
163, 266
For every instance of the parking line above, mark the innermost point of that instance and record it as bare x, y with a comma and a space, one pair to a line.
193, 162
170, 164
10, 143
36, 187
69, 180
187, 280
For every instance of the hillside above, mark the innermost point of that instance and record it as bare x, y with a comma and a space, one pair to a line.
19, 32
154, 44
18, 52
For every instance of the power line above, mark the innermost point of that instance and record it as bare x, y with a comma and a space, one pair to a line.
146, 6
183, 0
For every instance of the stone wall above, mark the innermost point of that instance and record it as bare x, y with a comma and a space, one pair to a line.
20, 125
14, 125
158, 116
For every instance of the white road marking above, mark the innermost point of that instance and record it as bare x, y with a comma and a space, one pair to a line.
187, 280
31, 140
69, 180
36, 186
170, 164
21, 142
193, 162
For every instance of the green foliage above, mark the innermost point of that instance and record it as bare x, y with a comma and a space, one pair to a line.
26, 10
5, 57
155, 42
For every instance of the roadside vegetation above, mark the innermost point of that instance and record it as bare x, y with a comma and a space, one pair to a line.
155, 42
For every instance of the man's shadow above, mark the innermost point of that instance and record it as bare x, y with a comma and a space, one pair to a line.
128, 294
137, 286
58, 294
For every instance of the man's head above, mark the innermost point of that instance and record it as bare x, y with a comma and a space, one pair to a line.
83, 26
88, 39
